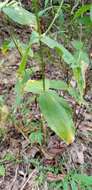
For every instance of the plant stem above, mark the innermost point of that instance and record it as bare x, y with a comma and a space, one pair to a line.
42, 65
40, 50
44, 129
55, 17
16, 44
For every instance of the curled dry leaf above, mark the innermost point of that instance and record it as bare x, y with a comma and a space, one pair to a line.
32, 151
56, 151
85, 126
53, 177
55, 146
47, 162
47, 155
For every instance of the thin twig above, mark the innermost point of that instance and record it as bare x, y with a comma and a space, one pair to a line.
30, 176
14, 180
40, 44
19, 129
44, 129
55, 17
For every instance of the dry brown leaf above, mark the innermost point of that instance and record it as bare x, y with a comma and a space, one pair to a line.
77, 153
55, 147
87, 116
53, 177
47, 155
85, 126
32, 151
50, 162
56, 151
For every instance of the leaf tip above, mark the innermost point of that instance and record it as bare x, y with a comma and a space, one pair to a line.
71, 139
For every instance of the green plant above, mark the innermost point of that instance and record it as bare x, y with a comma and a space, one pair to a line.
36, 137
77, 180
78, 62
82, 18
73, 179
82, 10
8, 157
2, 170
55, 109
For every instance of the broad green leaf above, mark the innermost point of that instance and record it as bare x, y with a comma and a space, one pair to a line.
36, 86
20, 83
20, 15
80, 56
24, 59
79, 70
85, 20
34, 38
18, 92
63, 103
59, 52
60, 19
58, 84
82, 10
66, 55
36, 137
2, 170
49, 42
73, 185
46, 2
56, 117
66, 106
74, 93
65, 185
77, 44
23, 47
83, 179
2, 4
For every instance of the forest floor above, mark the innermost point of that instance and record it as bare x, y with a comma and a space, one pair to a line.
30, 167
